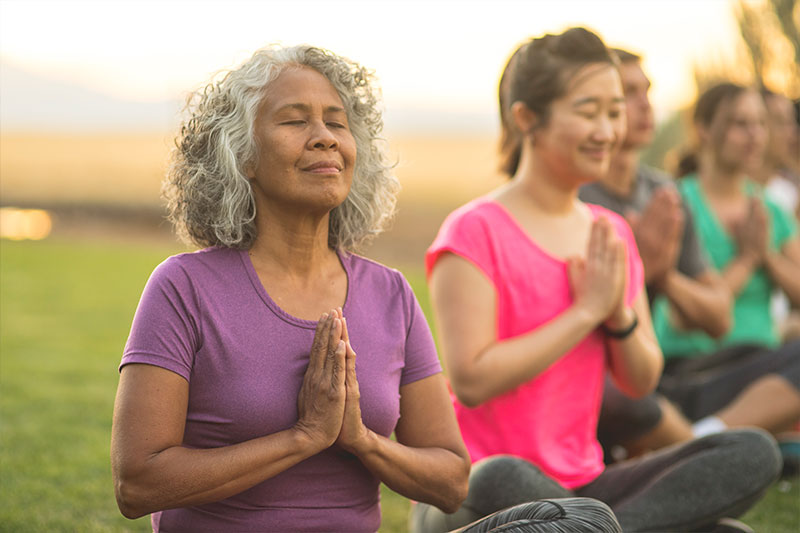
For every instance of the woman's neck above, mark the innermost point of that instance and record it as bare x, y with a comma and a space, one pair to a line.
293, 245
542, 188
718, 181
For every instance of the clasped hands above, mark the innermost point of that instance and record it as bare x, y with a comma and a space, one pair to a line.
328, 405
752, 232
658, 231
598, 281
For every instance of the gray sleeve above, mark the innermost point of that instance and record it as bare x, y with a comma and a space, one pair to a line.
692, 261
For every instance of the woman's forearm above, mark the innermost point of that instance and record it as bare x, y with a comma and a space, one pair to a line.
636, 361
738, 272
705, 306
185, 477
433, 475
506, 364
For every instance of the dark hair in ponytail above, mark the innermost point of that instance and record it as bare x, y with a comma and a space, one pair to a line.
538, 73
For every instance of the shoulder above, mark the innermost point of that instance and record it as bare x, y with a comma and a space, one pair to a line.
689, 185
190, 267
469, 231
477, 211
653, 177
783, 222
373, 274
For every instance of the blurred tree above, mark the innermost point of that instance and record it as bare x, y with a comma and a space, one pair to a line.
769, 30
768, 55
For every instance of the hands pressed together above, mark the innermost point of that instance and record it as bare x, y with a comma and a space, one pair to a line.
752, 232
658, 231
598, 282
328, 405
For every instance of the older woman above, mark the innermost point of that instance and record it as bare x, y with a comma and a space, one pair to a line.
241, 405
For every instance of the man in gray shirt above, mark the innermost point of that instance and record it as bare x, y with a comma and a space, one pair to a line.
674, 264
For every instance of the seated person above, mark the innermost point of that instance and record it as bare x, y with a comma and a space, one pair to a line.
538, 297
241, 404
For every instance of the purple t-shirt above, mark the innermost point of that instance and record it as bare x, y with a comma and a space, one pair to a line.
206, 316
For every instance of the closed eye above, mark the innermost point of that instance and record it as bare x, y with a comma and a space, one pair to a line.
336, 125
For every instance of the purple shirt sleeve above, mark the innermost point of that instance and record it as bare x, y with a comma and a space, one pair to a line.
165, 331
421, 357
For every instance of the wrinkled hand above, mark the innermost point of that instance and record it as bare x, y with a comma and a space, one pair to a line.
598, 282
321, 402
752, 232
658, 231
353, 431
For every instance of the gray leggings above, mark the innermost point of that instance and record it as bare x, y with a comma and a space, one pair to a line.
686, 487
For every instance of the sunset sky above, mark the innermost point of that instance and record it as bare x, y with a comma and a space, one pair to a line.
430, 56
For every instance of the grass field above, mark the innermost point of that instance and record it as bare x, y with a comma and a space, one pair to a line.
64, 317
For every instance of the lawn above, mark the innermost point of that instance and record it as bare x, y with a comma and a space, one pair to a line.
65, 310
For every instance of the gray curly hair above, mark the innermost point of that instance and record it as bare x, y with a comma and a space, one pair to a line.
209, 198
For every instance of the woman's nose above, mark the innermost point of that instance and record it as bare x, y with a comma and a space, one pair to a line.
322, 138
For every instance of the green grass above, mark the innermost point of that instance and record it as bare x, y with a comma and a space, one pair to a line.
65, 311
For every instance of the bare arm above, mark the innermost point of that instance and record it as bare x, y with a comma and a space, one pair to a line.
636, 361
784, 269
429, 462
153, 471
480, 366
701, 303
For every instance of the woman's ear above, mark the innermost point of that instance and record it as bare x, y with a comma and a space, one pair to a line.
524, 119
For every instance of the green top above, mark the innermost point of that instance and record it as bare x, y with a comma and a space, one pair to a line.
752, 320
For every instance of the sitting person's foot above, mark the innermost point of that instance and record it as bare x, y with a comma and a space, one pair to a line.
731, 525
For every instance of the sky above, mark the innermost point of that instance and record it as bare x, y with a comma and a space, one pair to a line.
432, 57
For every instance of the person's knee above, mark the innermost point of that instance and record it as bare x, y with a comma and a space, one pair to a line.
503, 481
757, 453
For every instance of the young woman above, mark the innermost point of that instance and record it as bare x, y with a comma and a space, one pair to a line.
537, 295
754, 245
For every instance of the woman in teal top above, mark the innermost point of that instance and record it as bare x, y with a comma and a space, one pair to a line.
749, 239
752, 319
755, 247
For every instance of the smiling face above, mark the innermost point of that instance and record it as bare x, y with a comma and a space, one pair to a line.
585, 125
306, 153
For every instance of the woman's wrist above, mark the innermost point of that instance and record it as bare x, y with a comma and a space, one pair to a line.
621, 324
364, 446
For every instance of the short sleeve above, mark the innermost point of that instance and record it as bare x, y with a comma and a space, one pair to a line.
465, 233
165, 330
784, 226
421, 359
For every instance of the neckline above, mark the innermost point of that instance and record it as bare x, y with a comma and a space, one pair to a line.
278, 310
519, 229
694, 181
